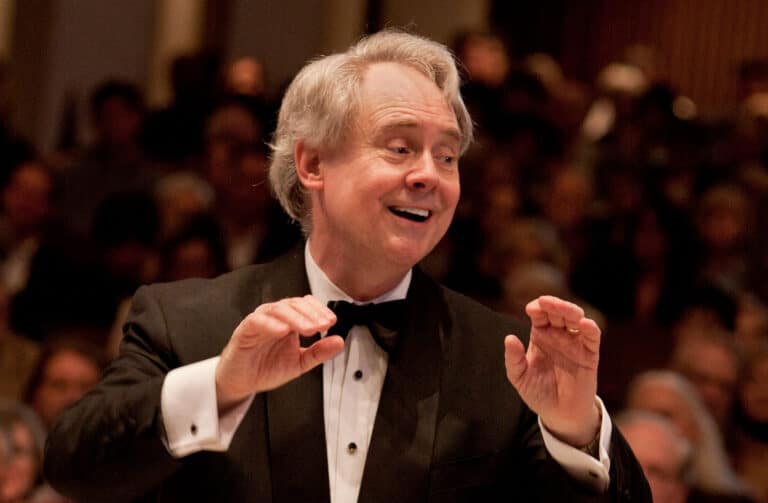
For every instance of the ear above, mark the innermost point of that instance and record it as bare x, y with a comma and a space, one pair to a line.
307, 161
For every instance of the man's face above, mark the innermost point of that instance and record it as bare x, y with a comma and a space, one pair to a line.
714, 371
390, 189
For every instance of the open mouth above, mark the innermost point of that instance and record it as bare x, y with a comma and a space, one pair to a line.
413, 214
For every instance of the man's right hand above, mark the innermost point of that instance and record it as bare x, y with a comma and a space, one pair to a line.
264, 351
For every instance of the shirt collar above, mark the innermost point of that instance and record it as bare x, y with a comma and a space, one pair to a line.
324, 290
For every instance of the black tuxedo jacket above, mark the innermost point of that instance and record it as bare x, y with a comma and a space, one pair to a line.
449, 426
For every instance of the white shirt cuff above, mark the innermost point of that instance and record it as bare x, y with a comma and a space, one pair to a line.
190, 412
578, 463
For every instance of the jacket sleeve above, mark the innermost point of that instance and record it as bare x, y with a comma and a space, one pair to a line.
109, 446
551, 482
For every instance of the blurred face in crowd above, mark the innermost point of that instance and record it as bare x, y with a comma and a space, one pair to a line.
21, 465
569, 199
724, 217
27, 197
714, 371
658, 453
192, 259
751, 324
248, 191
754, 391
246, 76
66, 378
486, 60
118, 122
663, 399
387, 194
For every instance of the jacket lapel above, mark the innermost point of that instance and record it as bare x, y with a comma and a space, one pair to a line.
299, 463
399, 457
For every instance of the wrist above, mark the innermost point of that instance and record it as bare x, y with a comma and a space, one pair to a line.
584, 435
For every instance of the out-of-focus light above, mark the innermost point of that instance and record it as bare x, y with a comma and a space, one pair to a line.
684, 108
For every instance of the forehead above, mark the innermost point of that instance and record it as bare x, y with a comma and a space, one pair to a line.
650, 440
393, 94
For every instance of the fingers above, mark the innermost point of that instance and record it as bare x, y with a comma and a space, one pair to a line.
514, 359
555, 312
590, 334
320, 351
303, 315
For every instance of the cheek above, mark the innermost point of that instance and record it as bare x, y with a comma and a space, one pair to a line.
451, 194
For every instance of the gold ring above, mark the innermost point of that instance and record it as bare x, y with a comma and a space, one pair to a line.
573, 331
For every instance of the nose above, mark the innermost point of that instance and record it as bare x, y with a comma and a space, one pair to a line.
423, 175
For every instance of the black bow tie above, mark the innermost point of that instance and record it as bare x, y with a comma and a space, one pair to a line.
383, 320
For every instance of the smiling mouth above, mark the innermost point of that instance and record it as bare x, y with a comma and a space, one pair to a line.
413, 214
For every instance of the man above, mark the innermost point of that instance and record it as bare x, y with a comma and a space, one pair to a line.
712, 363
366, 158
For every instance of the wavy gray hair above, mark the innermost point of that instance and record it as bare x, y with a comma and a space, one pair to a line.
321, 104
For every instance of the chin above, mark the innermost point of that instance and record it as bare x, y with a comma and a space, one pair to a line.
409, 254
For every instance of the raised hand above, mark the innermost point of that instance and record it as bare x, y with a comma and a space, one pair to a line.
557, 376
264, 351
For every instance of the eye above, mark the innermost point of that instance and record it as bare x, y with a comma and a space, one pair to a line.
400, 149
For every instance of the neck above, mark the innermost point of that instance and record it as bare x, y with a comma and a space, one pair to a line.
357, 277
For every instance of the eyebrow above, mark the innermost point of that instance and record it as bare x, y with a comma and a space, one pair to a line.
409, 124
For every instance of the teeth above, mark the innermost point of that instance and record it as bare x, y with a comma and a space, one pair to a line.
413, 211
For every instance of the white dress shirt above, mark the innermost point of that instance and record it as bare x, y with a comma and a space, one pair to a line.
352, 383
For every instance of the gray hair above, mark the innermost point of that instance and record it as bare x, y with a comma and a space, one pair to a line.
683, 449
322, 102
11, 413
710, 465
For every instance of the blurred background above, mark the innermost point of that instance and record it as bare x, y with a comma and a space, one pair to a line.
621, 162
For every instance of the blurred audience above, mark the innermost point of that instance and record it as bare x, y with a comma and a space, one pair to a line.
665, 455
751, 422
66, 370
663, 452
253, 225
21, 453
18, 355
712, 363
27, 205
196, 251
115, 160
669, 394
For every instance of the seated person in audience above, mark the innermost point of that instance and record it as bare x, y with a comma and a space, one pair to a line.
668, 393
751, 422
712, 363
21, 452
27, 207
66, 370
663, 452
196, 251
18, 355
236, 161
665, 455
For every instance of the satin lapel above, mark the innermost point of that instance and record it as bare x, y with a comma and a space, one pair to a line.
399, 457
298, 455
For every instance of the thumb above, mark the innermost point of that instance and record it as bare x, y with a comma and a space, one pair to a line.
320, 351
514, 359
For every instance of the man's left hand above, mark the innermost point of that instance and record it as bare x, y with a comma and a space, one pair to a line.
557, 376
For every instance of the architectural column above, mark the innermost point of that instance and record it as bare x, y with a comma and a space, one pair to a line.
178, 30
7, 8
343, 24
